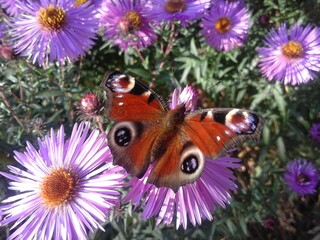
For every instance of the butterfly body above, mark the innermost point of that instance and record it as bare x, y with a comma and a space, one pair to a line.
146, 132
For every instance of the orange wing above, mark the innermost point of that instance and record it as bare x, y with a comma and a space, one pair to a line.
138, 112
134, 155
130, 100
215, 131
182, 162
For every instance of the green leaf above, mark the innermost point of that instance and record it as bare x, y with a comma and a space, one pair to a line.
243, 225
266, 134
232, 228
281, 149
141, 72
240, 95
280, 100
49, 93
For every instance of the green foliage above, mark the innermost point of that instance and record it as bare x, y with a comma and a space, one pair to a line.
35, 99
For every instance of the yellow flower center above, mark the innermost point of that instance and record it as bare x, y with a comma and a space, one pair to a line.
130, 21
292, 50
51, 18
78, 3
223, 24
58, 187
173, 6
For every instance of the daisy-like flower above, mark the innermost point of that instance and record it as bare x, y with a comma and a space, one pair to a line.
315, 131
184, 11
126, 24
291, 58
226, 25
51, 30
192, 202
67, 189
10, 7
301, 177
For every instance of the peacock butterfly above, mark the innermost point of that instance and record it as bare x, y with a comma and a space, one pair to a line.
147, 132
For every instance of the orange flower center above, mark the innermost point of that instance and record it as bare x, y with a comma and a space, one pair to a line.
173, 6
130, 21
58, 187
223, 24
52, 18
292, 50
78, 3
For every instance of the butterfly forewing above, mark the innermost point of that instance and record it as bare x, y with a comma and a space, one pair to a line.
130, 100
215, 131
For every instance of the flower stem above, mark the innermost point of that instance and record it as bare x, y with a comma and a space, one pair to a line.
173, 35
139, 54
6, 102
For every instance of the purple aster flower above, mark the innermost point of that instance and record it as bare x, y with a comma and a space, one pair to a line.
178, 10
226, 26
53, 30
68, 187
127, 24
301, 177
291, 58
194, 201
96, 3
96, 6
188, 96
10, 7
3, 28
242, 2
315, 131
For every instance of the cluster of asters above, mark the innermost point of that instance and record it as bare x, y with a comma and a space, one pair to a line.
63, 30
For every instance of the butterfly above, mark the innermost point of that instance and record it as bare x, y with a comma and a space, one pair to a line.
176, 143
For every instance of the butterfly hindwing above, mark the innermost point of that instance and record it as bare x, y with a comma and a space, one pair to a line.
131, 144
180, 163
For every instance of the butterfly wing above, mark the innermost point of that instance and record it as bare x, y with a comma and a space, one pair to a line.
131, 100
137, 111
131, 144
217, 130
206, 133
180, 163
